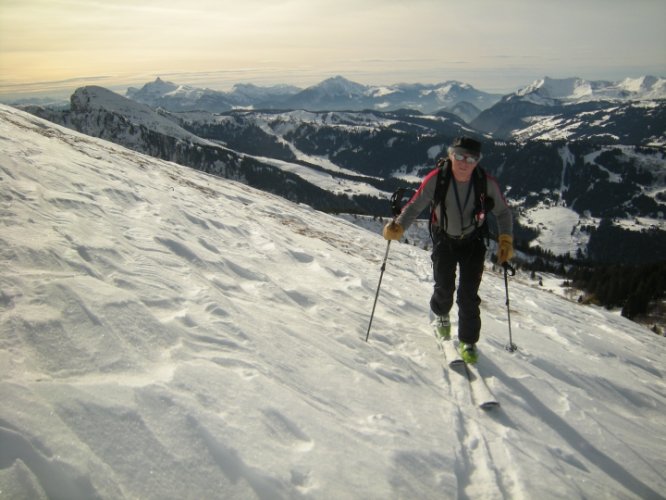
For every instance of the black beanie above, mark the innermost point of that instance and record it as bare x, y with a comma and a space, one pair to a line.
468, 144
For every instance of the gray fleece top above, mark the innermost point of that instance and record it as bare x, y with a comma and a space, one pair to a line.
459, 220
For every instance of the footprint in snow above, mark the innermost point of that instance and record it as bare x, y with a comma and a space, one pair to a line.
287, 431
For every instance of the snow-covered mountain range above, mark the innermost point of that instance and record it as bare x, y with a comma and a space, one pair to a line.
627, 112
173, 97
576, 90
565, 175
337, 93
165, 333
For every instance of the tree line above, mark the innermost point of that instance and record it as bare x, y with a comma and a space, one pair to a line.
635, 288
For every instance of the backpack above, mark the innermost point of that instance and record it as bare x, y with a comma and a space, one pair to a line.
482, 204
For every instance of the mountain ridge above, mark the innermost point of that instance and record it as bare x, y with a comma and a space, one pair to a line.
569, 90
596, 163
340, 93
335, 93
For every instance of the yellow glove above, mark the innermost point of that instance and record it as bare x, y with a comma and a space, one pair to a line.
393, 231
504, 248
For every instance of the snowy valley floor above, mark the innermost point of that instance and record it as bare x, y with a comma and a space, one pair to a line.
165, 335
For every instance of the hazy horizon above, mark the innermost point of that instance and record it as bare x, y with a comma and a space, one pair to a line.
51, 47
62, 90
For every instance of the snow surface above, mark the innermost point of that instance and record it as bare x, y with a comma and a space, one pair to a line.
559, 228
167, 334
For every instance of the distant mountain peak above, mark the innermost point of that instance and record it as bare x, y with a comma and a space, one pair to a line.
158, 87
340, 84
94, 97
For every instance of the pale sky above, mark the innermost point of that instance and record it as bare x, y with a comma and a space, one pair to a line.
495, 45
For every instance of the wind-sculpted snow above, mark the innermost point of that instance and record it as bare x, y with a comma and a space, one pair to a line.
168, 334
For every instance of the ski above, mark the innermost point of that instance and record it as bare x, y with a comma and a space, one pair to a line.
481, 393
483, 396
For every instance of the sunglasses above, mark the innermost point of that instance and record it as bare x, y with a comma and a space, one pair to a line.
466, 158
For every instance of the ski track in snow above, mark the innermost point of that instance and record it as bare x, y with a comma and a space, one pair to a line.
167, 334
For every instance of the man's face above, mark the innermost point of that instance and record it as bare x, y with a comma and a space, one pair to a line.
463, 164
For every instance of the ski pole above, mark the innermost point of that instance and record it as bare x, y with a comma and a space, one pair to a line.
388, 246
511, 347
396, 208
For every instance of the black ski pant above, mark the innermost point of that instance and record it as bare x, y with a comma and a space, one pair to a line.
469, 254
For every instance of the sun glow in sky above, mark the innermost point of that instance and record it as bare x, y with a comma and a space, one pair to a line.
57, 45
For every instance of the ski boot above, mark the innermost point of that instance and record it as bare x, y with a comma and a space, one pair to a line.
442, 327
468, 353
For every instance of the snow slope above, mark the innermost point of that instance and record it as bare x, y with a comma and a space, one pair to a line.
167, 334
